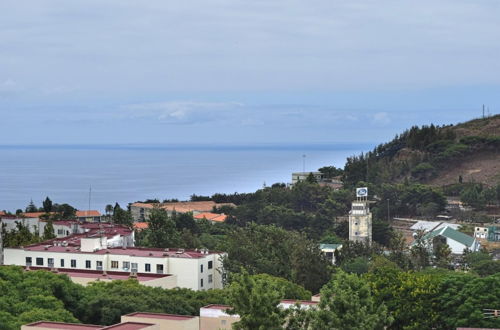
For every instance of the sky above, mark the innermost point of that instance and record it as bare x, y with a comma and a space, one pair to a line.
242, 72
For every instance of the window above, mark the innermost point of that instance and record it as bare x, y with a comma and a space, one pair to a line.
147, 267
98, 265
356, 233
126, 265
223, 322
159, 269
60, 231
88, 264
210, 278
73, 263
114, 264
62, 263
50, 261
39, 261
210, 264
134, 267
201, 268
201, 283
28, 261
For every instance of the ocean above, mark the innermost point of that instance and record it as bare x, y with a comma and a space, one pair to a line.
128, 173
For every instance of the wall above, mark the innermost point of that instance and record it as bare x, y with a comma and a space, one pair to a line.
166, 324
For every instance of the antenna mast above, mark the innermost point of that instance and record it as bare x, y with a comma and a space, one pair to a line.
90, 196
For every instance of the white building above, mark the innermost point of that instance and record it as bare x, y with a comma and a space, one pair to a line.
197, 270
427, 226
34, 225
457, 241
481, 232
329, 251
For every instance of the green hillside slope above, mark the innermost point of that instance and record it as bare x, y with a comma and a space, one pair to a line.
437, 155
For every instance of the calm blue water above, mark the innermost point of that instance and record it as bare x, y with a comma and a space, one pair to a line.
126, 174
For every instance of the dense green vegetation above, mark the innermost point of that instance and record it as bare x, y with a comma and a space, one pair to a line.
420, 153
385, 295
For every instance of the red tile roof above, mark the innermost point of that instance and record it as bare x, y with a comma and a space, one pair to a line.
162, 316
183, 207
74, 247
211, 216
63, 326
34, 214
90, 213
2, 213
141, 225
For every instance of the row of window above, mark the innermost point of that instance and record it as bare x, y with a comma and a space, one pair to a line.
88, 264
210, 266
126, 265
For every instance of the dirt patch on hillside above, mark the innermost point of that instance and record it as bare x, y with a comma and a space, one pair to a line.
483, 167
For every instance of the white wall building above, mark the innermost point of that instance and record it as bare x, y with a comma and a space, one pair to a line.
457, 241
481, 232
197, 270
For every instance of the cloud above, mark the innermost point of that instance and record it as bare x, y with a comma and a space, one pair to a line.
9, 86
381, 118
183, 112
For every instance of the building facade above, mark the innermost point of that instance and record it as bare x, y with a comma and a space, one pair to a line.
193, 269
360, 222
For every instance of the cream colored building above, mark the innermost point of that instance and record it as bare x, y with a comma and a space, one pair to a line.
214, 317
45, 325
360, 222
192, 269
165, 321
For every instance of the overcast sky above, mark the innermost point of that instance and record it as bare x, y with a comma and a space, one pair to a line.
240, 71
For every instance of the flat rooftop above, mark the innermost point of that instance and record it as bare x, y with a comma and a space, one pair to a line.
302, 302
162, 316
216, 306
129, 251
129, 326
63, 326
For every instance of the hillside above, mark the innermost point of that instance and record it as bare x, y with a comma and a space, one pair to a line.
436, 155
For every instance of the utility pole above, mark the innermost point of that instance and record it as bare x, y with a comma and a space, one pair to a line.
90, 196
483, 111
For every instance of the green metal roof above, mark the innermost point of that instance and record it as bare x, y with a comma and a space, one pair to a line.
451, 234
329, 246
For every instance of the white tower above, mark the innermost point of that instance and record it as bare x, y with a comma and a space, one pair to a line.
360, 218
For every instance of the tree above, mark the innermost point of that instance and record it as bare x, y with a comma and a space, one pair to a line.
31, 207
347, 303
65, 210
462, 298
275, 251
162, 232
48, 231
442, 255
410, 296
331, 171
121, 216
419, 252
486, 267
47, 205
109, 209
256, 301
